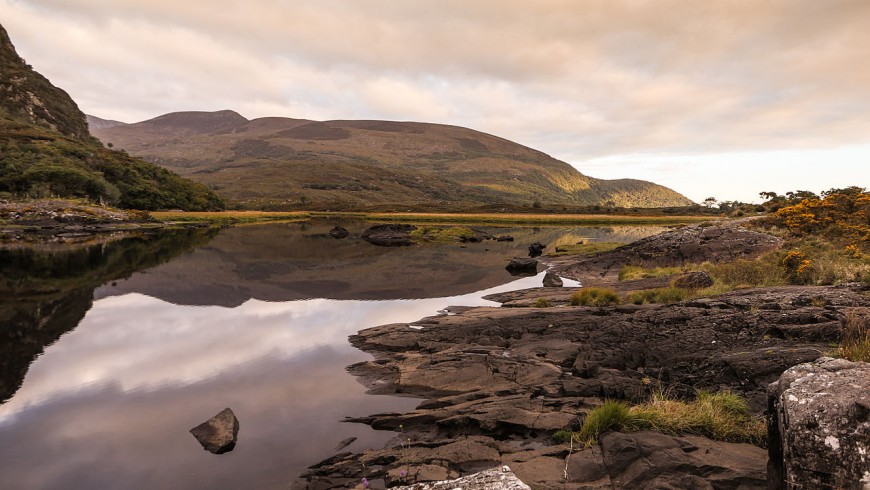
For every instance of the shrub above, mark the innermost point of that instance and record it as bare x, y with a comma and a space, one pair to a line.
594, 297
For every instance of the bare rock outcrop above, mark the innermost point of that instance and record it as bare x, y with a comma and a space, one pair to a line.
389, 235
819, 426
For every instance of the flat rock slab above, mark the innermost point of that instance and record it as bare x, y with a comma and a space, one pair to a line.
218, 434
501, 478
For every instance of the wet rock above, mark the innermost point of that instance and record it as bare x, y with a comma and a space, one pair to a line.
819, 426
536, 249
552, 280
218, 434
505, 238
338, 233
501, 478
522, 266
345, 443
694, 280
389, 235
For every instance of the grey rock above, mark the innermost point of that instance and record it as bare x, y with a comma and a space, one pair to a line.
819, 426
694, 280
501, 478
505, 238
552, 280
218, 434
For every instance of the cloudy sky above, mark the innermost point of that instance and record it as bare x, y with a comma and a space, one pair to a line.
714, 98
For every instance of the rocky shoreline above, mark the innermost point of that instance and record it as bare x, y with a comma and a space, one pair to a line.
497, 383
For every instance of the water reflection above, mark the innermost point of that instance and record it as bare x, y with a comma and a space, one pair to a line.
283, 262
45, 293
109, 405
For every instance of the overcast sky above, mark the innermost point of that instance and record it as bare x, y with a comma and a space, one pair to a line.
710, 98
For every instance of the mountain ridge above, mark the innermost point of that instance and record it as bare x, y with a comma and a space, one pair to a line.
276, 162
46, 150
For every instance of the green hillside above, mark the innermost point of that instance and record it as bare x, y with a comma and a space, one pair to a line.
284, 163
47, 151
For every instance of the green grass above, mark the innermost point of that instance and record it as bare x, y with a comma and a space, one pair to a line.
594, 297
584, 248
658, 295
721, 416
441, 234
855, 345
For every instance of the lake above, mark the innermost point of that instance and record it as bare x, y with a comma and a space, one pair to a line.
111, 351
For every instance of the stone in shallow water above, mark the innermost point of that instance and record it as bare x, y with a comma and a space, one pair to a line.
552, 280
218, 434
501, 478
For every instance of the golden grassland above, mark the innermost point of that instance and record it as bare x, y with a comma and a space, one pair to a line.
433, 218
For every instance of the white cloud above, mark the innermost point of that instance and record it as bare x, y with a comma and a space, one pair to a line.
582, 81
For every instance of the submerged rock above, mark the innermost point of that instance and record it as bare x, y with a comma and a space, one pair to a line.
338, 233
819, 426
522, 266
389, 235
552, 280
218, 434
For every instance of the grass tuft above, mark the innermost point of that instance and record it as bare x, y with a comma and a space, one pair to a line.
584, 248
856, 338
659, 295
594, 297
721, 416
542, 303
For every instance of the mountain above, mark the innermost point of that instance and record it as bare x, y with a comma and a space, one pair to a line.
279, 162
46, 150
97, 123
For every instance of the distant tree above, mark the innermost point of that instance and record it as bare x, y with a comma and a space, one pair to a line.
710, 202
768, 196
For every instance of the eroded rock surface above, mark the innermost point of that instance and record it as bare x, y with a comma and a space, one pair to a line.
498, 382
819, 426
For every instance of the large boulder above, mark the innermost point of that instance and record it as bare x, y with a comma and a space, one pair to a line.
218, 434
389, 235
819, 426
522, 266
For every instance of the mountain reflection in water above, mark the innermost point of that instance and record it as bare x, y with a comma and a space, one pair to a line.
109, 404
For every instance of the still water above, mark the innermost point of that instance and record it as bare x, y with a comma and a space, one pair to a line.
111, 352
